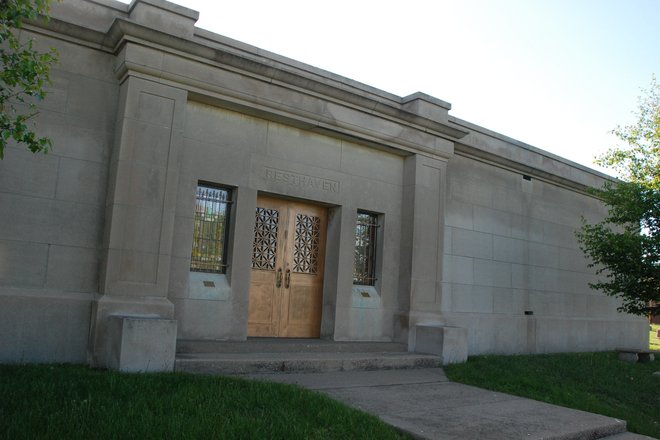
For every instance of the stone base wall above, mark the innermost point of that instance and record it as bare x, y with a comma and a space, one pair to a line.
36, 327
521, 334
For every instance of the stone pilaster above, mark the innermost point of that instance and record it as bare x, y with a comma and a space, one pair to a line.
140, 207
420, 289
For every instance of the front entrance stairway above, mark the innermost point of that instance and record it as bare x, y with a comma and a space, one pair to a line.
266, 355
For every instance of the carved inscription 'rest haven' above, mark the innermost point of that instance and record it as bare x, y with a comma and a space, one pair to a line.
300, 180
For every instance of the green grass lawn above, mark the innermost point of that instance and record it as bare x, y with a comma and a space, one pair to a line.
594, 382
654, 340
74, 402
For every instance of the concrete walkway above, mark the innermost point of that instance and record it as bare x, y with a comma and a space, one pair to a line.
422, 402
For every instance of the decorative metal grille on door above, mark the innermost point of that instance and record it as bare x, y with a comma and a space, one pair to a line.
306, 244
265, 239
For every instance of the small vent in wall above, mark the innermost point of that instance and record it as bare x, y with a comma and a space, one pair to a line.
526, 177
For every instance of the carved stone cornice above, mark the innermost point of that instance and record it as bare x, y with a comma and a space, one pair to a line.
343, 109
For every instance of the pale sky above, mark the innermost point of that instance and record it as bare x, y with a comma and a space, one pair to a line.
556, 74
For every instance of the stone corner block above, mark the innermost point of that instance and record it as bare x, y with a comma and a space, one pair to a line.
165, 16
427, 106
141, 343
450, 343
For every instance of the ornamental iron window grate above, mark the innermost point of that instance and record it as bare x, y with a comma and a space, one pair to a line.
264, 248
364, 266
306, 244
211, 228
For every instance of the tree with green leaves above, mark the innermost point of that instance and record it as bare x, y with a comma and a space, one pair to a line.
24, 73
625, 246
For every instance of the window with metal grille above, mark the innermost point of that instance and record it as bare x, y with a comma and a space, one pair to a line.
364, 266
211, 228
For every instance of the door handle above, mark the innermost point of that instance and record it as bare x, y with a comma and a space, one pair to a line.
287, 279
278, 278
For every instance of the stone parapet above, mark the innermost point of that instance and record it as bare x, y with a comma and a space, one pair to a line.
164, 16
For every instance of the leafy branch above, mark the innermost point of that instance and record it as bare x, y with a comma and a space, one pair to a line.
24, 74
625, 246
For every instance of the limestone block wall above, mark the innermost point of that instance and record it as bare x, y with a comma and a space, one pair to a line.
243, 152
52, 209
476, 229
513, 271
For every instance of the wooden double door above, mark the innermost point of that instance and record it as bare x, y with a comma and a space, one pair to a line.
286, 290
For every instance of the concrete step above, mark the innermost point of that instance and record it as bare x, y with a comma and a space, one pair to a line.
300, 362
273, 345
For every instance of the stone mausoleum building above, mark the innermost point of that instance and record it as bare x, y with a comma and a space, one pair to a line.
203, 189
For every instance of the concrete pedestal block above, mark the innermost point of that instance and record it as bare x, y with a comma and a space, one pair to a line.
633, 355
628, 357
450, 343
141, 343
